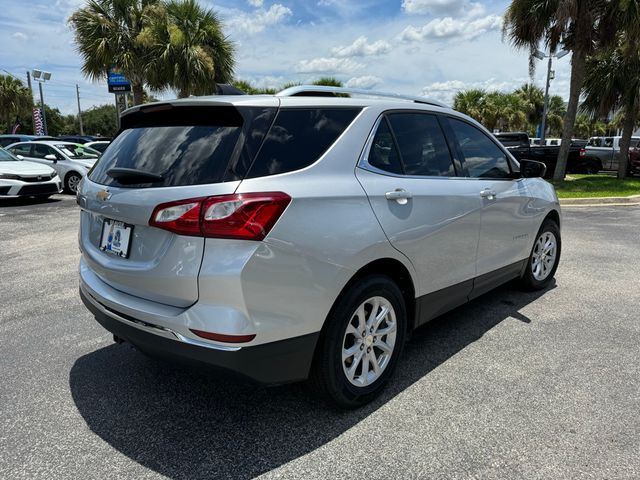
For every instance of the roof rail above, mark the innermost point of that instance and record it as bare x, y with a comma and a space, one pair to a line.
321, 90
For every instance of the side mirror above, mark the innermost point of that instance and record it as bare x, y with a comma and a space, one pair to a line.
532, 169
52, 157
19, 157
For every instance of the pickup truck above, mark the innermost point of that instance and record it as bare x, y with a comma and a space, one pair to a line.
606, 150
519, 146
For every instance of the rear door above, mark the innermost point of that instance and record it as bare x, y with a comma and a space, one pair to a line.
426, 211
195, 152
506, 221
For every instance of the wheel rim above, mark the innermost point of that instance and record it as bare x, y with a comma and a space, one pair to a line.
369, 341
73, 182
544, 255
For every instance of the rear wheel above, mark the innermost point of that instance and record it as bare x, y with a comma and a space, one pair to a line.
71, 183
544, 258
362, 342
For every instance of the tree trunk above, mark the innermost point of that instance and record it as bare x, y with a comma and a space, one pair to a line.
138, 93
577, 77
629, 122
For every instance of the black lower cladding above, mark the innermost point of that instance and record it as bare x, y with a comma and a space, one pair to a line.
437, 303
45, 189
278, 362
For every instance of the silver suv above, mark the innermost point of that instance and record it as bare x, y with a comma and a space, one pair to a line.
304, 234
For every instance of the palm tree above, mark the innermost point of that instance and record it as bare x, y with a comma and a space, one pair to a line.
533, 98
107, 34
613, 82
15, 99
570, 23
189, 51
556, 114
470, 102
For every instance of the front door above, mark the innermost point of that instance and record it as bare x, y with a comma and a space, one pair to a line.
507, 220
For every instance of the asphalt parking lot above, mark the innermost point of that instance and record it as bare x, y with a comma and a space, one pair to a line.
514, 385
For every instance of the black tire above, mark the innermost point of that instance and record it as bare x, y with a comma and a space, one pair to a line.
68, 182
327, 374
528, 279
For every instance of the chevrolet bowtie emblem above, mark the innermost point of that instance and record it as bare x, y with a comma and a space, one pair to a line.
103, 195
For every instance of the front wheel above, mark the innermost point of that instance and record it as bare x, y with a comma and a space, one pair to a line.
544, 258
71, 183
362, 342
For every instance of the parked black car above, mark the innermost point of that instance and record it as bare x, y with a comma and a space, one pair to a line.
518, 144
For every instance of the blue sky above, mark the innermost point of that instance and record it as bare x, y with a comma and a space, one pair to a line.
419, 47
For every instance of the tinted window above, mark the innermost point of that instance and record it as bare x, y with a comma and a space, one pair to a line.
482, 157
595, 142
186, 146
299, 137
383, 153
423, 148
40, 151
515, 140
23, 149
608, 142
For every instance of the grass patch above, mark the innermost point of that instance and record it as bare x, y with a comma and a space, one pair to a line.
576, 186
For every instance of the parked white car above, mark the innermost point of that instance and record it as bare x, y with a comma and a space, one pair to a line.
72, 161
26, 179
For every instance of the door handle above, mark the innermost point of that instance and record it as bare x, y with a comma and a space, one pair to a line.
488, 194
400, 195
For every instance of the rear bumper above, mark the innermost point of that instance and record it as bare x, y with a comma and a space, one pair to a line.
278, 362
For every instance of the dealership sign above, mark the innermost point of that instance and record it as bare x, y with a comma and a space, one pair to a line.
117, 82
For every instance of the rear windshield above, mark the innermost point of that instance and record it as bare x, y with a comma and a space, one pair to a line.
194, 146
221, 144
513, 140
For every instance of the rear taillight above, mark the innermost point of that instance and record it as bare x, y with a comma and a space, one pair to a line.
583, 152
248, 216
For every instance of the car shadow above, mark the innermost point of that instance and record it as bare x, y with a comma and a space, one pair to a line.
24, 201
186, 424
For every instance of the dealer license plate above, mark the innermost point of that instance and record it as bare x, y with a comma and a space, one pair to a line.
116, 238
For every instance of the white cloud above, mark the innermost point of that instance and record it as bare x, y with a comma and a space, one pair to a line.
20, 36
360, 48
451, 8
447, 27
256, 21
366, 82
255, 3
328, 65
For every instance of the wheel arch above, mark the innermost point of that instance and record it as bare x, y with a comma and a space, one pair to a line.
391, 268
553, 215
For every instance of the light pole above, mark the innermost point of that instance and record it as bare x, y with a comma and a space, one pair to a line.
41, 77
540, 55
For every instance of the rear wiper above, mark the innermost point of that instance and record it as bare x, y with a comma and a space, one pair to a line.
132, 175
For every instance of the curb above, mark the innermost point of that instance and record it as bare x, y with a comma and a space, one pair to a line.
597, 201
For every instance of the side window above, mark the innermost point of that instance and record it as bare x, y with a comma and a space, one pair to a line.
299, 137
483, 157
608, 142
23, 149
422, 145
40, 151
383, 153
